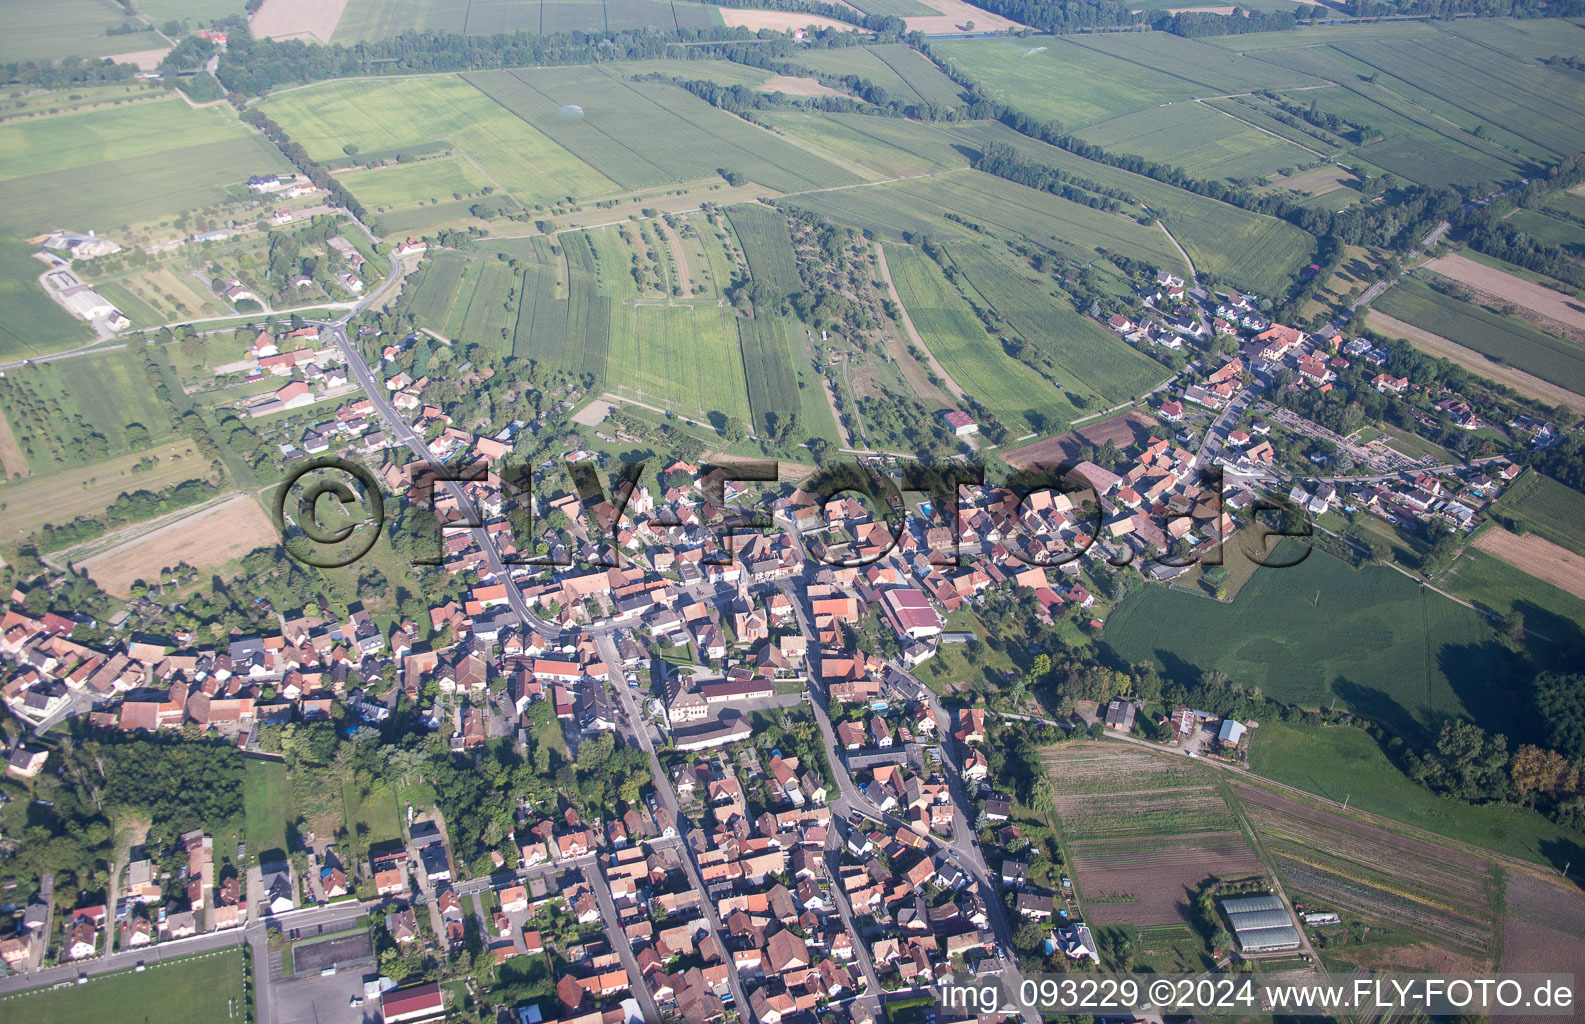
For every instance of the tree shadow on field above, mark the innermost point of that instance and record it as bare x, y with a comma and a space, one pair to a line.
1381, 707
1490, 681
1175, 669
1561, 853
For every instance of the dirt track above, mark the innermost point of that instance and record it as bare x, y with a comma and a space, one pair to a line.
1537, 556
1469, 359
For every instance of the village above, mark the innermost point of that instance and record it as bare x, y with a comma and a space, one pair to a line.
784, 882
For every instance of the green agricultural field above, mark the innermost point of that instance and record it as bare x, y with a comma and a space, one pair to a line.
906, 75
491, 317
1058, 79
571, 330
1341, 762
1569, 205
33, 324
161, 11
1264, 114
80, 97
78, 411
762, 231
1088, 359
1201, 140
1491, 334
1493, 584
1254, 252
541, 329
69, 28
266, 806
436, 289
1525, 40
97, 136
383, 19
1321, 632
1000, 207
34, 500
457, 312
612, 259
1555, 230
388, 115
895, 8
1209, 67
1019, 396
1081, 80
684, 358
768, 369
115, 166
1428, 117
641, 134
402, 185
1537, 106
721, 72
886, 147
1541, 505
205, 987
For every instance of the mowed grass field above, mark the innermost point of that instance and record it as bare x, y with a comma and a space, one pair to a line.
52, 408
1008, 209
382, 19
1343, 763
402, 185
1079, 81
907, 75
884, 147
67, 28
106, 168
1479, 329
266, 805
60, 497
641, 134
33, 323
1258, 253
1197, 138
1089, 360
955, 336
1321, 632
1543, 506
683, 358
388, 115
206, 987
1491, 583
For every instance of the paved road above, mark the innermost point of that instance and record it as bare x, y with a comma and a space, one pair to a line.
640, 990
376, 393
638, 728
963, 850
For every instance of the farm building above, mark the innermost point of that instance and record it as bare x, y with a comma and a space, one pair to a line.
1231, 732
1261, 924
1120, 715
960, 422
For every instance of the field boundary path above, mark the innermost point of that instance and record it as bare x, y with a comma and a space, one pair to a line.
908, 324
1258, 128
679, 260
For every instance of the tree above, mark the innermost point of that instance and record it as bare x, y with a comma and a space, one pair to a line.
1535, 770
1560, 703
